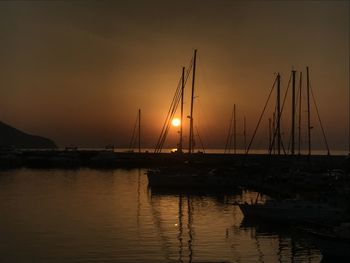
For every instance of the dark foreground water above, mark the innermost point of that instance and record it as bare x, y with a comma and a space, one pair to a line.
111, 216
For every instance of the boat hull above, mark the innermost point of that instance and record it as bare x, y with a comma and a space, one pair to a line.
292, 213
332, 247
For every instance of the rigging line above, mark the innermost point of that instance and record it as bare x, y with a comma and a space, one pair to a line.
260, 118
133, 137
284, 102
167, 128
285, 95
284, 150
228, 141
167, 117
171, 114
173, 105
203, 121
296, 104
300, 113
280, 116
200, 140
289, 142
173, 109
319, 119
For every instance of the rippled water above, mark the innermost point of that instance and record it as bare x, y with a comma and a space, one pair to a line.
111, 216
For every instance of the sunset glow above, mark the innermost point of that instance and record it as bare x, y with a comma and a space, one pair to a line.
176, 122
102, 84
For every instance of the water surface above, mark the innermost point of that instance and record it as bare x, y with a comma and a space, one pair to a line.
112, 216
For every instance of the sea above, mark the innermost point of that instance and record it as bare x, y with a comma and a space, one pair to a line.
88, 215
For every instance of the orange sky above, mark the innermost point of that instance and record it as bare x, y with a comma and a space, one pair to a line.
77, 72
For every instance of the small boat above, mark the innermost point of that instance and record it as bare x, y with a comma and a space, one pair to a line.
333, 242
292, 210
104, 159
191, 178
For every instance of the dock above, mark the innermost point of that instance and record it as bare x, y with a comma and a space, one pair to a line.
110, 159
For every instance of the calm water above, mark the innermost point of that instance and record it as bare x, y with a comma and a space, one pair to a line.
111, 216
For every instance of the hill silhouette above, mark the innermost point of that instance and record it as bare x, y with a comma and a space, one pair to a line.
12, 137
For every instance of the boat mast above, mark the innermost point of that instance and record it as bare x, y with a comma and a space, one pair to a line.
190, 147
293, 111
234, 130
139, 130
182, 106
308, 110
278, 114
299, 128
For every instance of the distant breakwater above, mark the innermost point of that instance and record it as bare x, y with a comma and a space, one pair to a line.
110, 159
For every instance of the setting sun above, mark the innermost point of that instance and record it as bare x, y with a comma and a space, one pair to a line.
176, 122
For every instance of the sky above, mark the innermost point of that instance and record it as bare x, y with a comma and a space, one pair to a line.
78, 71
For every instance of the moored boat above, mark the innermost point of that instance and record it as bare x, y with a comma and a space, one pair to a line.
333, 242
291, 210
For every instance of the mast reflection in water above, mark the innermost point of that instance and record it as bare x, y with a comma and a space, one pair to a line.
111, 216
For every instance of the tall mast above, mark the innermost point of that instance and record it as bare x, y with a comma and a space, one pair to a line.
278, 114
182, 106
139, 130
293, 111
308, 109
234, 130
299, 128
190, 147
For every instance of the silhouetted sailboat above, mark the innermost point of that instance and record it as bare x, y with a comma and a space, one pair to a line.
178, 96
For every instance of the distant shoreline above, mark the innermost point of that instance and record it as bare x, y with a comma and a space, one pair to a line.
104, 158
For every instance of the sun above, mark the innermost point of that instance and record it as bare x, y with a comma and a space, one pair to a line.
176, 122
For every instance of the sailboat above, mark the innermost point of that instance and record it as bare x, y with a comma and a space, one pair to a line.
188, 175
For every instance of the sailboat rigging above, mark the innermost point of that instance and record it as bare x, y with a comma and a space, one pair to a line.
179, 97
136, 138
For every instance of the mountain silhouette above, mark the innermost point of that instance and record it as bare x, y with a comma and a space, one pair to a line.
12, 137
